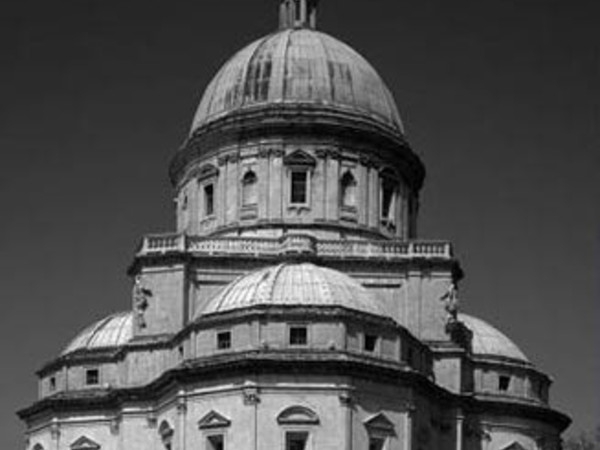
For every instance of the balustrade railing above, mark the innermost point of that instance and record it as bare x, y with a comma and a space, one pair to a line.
294, 244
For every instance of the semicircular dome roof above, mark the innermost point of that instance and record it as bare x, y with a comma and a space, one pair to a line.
294, 284
299, 66
488, 341
113, 331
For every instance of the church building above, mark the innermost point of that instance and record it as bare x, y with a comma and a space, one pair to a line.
295, 306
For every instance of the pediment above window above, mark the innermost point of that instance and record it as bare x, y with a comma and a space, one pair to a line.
380, 423
514, 446
298, 415
206, 171
84, 443
213, 420
299, 158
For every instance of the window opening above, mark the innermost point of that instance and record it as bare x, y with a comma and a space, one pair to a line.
298, 335
52, 383
298, 10
410, 356
503, 383
249, 184
92, 377
209, 200
215, 442
370, 343
348, 190
388, 198
296, 440
299, 187
376, 443
184, 203
224, 340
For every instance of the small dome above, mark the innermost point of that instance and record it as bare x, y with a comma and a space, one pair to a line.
488, 341
298, 66
294, 285
113, 331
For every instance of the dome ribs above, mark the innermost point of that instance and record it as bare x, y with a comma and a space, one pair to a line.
302, 66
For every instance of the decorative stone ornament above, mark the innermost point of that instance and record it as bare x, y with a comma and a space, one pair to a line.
166, 432
141, 296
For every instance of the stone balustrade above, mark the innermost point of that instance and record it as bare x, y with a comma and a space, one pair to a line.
294, 244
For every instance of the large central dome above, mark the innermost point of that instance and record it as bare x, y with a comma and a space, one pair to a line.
299, 66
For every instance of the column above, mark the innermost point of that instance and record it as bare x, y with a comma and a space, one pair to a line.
181, 417
252, 399
460, 419
347, 402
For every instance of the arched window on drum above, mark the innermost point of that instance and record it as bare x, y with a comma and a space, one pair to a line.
388, 197
348, 190
249, 189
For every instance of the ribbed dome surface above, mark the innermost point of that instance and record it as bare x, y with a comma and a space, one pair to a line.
298, 66
488, 341
113, 331
294, 285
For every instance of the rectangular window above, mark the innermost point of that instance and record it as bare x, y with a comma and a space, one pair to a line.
209, 200
299, 187
370, 343
410, 356
215, 442
503, 383
296, 440
376, 443
224, 340
92, 377
52, 383
298, 335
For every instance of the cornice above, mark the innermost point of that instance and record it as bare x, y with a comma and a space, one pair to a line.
326, 362
168, 342
512, 407
281, 120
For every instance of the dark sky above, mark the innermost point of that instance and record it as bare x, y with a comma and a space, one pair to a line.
499, 97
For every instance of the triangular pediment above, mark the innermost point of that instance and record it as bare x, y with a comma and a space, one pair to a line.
299, 158
298, 415
380, 423
213, 420
514, 446
84, 443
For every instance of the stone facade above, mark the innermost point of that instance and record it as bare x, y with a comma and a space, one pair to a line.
294, 306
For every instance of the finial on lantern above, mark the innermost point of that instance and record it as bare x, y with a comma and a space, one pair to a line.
298, 14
